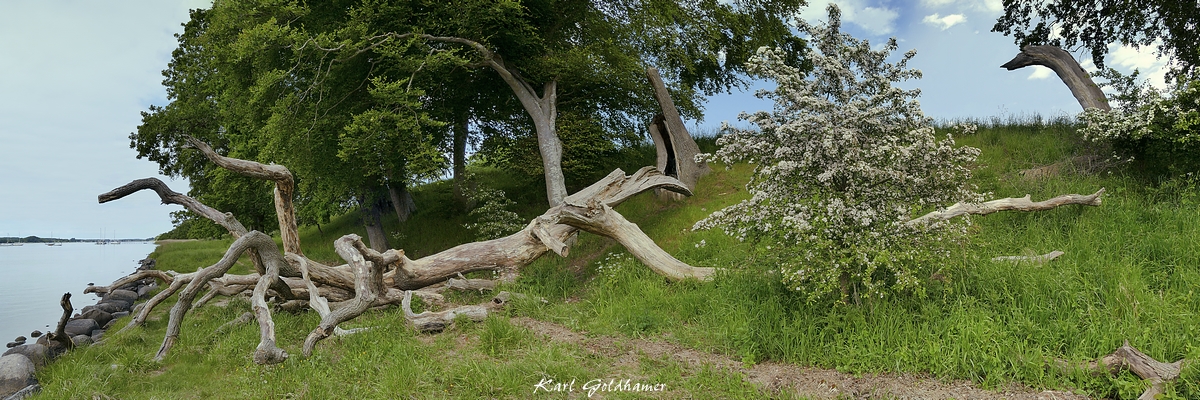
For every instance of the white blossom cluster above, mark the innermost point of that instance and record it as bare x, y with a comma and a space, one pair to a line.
844, 159
1144, 111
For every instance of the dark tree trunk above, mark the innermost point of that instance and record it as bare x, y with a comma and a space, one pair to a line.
402, 201
460, 147
460, 157
373, 221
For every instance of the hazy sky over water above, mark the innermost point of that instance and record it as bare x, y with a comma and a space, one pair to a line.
74, 76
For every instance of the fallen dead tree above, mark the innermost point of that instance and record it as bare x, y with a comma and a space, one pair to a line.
372, 279
1044, 258
1007, 204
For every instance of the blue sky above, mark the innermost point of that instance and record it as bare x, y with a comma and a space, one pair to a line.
960, 58
74, 76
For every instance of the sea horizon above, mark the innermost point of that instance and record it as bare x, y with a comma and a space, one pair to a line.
34, 276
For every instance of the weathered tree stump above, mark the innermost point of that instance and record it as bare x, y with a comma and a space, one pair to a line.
674, 145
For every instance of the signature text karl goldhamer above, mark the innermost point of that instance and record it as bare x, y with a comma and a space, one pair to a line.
598, 385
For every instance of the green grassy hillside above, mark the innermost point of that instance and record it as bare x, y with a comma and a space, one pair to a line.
1130, 273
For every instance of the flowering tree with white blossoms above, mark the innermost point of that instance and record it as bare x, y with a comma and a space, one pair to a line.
843, 161
1161, 129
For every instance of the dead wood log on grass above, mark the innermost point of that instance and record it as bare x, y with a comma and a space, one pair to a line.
429, 321
164, 276
1129, 358
1007, 204
1034, 259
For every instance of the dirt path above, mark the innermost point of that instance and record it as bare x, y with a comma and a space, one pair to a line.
777, 378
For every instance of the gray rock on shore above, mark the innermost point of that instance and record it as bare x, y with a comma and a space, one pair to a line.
81, 326
36, 353
145, 290
100, 316
111, 307
122, 294
82, 340
16, 373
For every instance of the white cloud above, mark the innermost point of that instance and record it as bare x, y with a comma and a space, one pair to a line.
1151, 68
1089, 66
1040, 72
875, 19
946, 22
936, 3
993, 6
990, 8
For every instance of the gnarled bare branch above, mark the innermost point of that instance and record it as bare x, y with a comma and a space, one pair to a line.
1063, 64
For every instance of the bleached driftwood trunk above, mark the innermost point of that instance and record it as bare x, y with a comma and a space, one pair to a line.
1033, 259
386, 278
1007, 204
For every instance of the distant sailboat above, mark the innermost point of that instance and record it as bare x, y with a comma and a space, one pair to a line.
52, 238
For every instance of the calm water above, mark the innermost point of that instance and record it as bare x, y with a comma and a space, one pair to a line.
34, 277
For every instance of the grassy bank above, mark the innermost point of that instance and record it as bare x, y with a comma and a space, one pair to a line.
1130, 273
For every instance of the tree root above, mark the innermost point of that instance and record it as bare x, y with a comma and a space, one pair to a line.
267, 351
149, 305
241, 319
368, 285
1128, 358
428, 322
271, 258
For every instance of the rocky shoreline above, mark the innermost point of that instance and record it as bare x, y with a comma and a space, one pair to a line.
20, 363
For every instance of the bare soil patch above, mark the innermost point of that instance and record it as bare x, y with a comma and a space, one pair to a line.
779, 378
